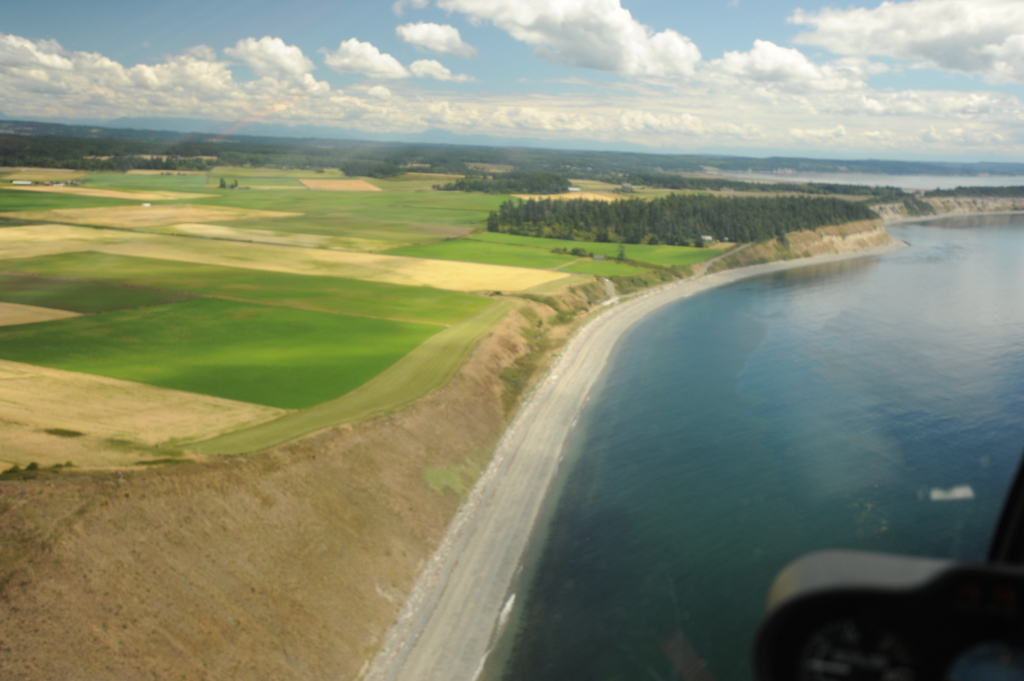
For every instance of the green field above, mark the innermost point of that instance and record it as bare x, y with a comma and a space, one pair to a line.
608, 268
166, 183
668, 256
466, 250
328, 294
427, 368
74, 296
275, 356
213, 181
17, 199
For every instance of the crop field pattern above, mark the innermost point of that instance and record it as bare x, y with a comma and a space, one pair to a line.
234, 319
274, 356
327, 294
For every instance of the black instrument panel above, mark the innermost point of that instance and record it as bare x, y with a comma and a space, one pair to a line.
855, 615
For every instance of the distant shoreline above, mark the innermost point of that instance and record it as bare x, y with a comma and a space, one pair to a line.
461, 600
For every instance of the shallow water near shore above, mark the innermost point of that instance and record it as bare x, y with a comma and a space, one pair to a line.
814, 408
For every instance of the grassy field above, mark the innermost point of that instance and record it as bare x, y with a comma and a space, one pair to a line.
170, 183
608, 268
244, 297
427, 368
328, 294
36, 240
17, 200
83, 297
669, 256
274, 356
467, 250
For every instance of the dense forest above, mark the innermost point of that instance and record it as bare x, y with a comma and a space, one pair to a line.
42, 142
676, 219
514, 182
671, 181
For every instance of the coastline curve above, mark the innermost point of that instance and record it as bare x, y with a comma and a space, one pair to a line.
446, 628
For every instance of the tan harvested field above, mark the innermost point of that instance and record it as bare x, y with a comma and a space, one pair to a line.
40, 174
340, 185
166, 172
114, 193
265, 236
35, 398
12, 314
589, 196
33, 240
137, 217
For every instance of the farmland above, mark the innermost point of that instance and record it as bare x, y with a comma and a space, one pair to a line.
275, 356
306, 300
326, 294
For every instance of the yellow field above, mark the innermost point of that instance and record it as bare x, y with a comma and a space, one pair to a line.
36, 398
264, 236
137, 217
589, 196
165, 172
340, 185
41, 174
114, 193
12, 314
33, 240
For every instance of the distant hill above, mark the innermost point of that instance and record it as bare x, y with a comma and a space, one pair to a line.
320, 151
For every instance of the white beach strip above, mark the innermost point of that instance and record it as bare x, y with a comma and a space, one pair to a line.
446, 628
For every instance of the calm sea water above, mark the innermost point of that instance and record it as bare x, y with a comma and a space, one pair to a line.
741, 428
908, 182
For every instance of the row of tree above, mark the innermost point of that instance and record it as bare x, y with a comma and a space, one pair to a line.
514, 182
675, 219
674, 181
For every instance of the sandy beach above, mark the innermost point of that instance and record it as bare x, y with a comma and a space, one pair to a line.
462, 598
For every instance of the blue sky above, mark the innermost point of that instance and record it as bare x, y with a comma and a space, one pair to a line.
911, 79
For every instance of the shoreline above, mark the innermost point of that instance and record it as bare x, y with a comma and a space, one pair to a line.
460, 602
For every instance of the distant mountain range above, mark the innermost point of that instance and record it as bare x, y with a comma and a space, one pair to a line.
454, 150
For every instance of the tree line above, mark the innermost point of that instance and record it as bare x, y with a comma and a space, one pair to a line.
677, 219
673, 181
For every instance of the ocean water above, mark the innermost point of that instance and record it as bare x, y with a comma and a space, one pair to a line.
907, 182
739, 429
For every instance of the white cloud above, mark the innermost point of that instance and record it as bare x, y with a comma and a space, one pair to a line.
819, 135
593, 34
757, 99
16, 51
271, 58
353, 56
971, 36
428, 68
400, 5
436, 38
785, 68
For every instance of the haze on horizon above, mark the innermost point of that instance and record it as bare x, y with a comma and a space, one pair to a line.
918, 79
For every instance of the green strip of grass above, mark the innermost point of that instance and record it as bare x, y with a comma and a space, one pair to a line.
667, 256
329, 294
78, 296
425, 369
466, 250
275, 356
17, 199
166, 183
608, 268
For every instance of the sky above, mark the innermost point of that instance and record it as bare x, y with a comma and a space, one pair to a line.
913, 79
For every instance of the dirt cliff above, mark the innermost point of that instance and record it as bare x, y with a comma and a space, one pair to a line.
288, 564
948, 205
847, 238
